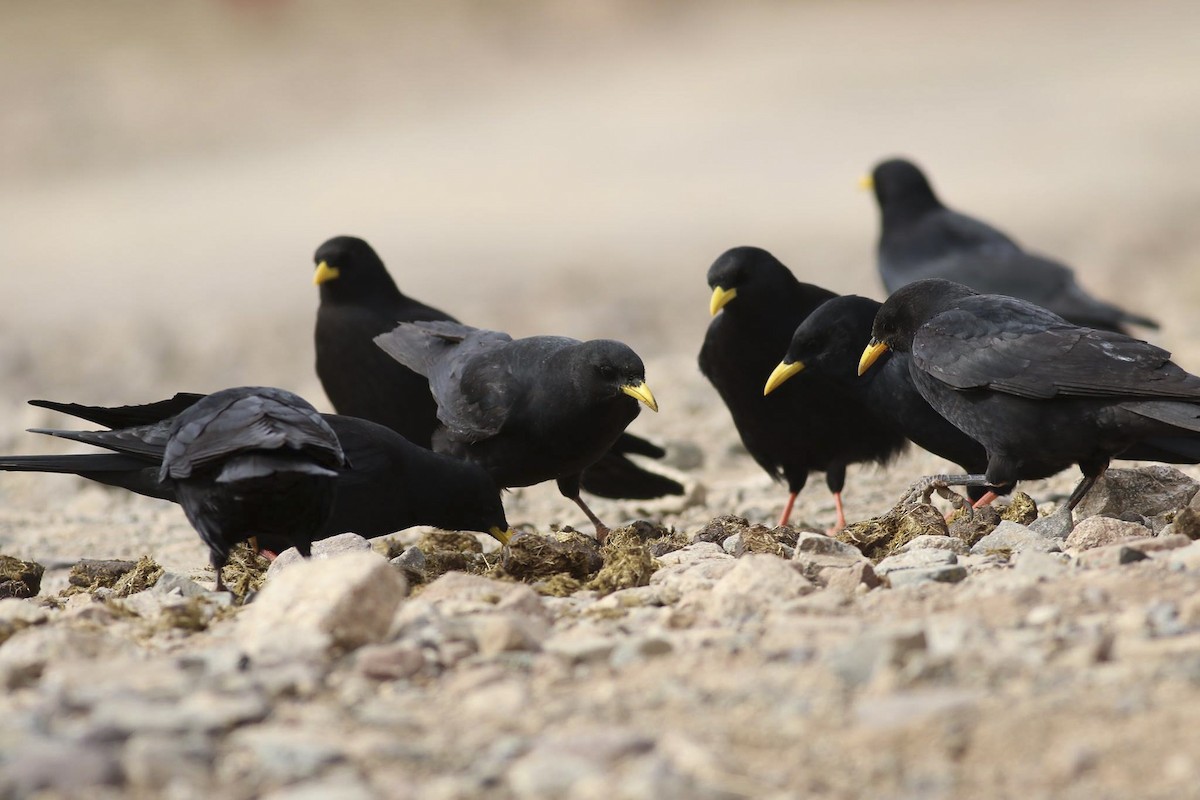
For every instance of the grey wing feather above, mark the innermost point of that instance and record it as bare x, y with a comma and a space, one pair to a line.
253, 419
1023, 350
468, 376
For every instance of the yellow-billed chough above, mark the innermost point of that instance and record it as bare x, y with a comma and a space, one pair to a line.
387, 484
806, 425
526, 410
1038, 392
922, 238
249, 461
827, 345
359, 301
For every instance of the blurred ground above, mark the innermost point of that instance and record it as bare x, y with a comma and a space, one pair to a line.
539, 167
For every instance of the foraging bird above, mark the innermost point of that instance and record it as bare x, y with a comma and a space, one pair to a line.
827, 345
1038, 392
921, 238
250, 461
387, 485
359, 301
806, 425
526, 410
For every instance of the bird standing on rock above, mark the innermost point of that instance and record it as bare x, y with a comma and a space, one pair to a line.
251, 461
1038, 392
359, 301
806, 425
526, 410
921, 238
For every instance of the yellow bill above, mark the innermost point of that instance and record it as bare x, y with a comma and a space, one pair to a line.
866, 183
324, 273
641, 392
500, 534
871, 354
720, 298
781, 374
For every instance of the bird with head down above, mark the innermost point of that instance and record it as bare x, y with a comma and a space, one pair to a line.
525, 410
1038, 392
922, 238
387, 483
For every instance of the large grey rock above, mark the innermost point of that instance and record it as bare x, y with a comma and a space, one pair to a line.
389, 662
946, 573
756, 583
1112, 555
915, 559
694, 553
323, 606
1054, 526
504, 633
1014, 538
1148, 491
928, 541
1100, 531
323, 548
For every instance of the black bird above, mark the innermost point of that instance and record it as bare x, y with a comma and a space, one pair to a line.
921, 238
526, 410
805, 425
1038, 392
387, 485
827, 345
359, 301
250, 461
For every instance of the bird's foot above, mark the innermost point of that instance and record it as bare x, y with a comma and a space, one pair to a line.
922, 492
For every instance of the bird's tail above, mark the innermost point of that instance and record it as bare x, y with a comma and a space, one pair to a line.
147, 441
124, 416
112, 469
1184, 416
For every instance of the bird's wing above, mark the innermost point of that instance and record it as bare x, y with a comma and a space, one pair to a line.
254, 419
469, 372
960, 232
1021, 349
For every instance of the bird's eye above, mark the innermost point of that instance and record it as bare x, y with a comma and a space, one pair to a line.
607, 371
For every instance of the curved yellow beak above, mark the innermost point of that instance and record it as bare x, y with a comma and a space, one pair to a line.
500, 534
324, 273
866, 183
781, 374
871, 354
641, 392
720, 298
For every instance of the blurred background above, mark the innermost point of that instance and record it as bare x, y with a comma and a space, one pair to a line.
167, 169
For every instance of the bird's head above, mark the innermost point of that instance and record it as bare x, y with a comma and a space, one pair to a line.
900, 184
348, 268
609, 368
829, 339
745, 274
905, 312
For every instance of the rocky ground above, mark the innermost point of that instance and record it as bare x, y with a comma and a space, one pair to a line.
574, 168
692, 656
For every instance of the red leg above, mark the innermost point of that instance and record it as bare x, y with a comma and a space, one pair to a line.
841, 514
986, 500
787, 509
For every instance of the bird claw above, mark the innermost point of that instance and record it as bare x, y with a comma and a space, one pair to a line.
922, 492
